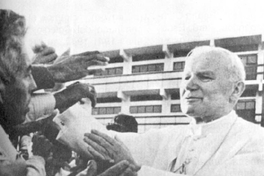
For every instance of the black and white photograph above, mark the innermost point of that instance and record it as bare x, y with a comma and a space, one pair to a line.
131, 88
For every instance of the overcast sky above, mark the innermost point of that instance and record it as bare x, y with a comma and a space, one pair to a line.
84, 25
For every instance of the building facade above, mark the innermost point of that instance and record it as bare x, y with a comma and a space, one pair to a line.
144, 82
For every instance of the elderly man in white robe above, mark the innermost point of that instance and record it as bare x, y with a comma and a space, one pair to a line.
217, 142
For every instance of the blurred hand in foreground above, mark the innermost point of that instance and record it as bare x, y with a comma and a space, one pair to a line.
103, 147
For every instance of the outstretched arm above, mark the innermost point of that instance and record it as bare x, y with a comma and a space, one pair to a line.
67, 68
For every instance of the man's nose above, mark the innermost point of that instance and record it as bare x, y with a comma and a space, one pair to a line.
191, 83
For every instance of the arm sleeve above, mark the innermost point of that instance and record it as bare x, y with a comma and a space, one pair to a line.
41, 104
42, 77
242, 165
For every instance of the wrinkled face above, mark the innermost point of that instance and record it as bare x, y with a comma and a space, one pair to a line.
18, 93
205, 88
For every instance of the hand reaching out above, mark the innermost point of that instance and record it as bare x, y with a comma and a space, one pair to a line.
103, 147
120, 169
44, 54
75, 66
74, 93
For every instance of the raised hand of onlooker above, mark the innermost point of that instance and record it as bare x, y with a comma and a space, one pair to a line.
75, 66
103, 147
44, 54
74, 93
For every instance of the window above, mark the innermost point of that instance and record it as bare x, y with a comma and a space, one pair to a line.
147, 68
178, 66
239, 48
110, 110
175, 108
145, 109
106, 110
181, 53
117, 59
152, 56
245, 104
110, 71
119, 71
143, 68
250, 62
108, 100
157, 109
145, 97
246, 110
135, 69
175, 95
249, 59
249, 93
117, 110
149, 109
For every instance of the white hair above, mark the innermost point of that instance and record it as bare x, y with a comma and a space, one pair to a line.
235, 68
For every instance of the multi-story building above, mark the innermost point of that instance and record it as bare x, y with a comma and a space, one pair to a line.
144, 82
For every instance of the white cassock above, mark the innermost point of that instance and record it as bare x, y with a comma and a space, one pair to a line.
229, 146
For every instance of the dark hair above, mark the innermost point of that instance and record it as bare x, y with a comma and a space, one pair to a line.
123, 123
12, 32
12, 58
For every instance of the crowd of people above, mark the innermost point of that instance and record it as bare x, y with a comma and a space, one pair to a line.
32, 92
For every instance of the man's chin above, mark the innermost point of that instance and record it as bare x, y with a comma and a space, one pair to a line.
191, 112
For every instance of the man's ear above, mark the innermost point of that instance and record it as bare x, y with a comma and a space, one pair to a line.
239, 88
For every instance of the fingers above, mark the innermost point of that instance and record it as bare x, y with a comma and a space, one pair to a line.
117, 169
94, 153
92, 95
67, 52
105, 137
99, 139
87, 53
94, 64
92, 168
87, 155
103, 145
47, 51
88, 58
39, 47
129, 172
45, 55
97, 150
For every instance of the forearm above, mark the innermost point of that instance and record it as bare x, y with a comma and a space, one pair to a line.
65, 99
41, 104
43, 77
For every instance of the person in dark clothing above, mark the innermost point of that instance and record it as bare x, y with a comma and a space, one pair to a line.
123, 123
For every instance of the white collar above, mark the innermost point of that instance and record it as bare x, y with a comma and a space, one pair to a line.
219, 125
